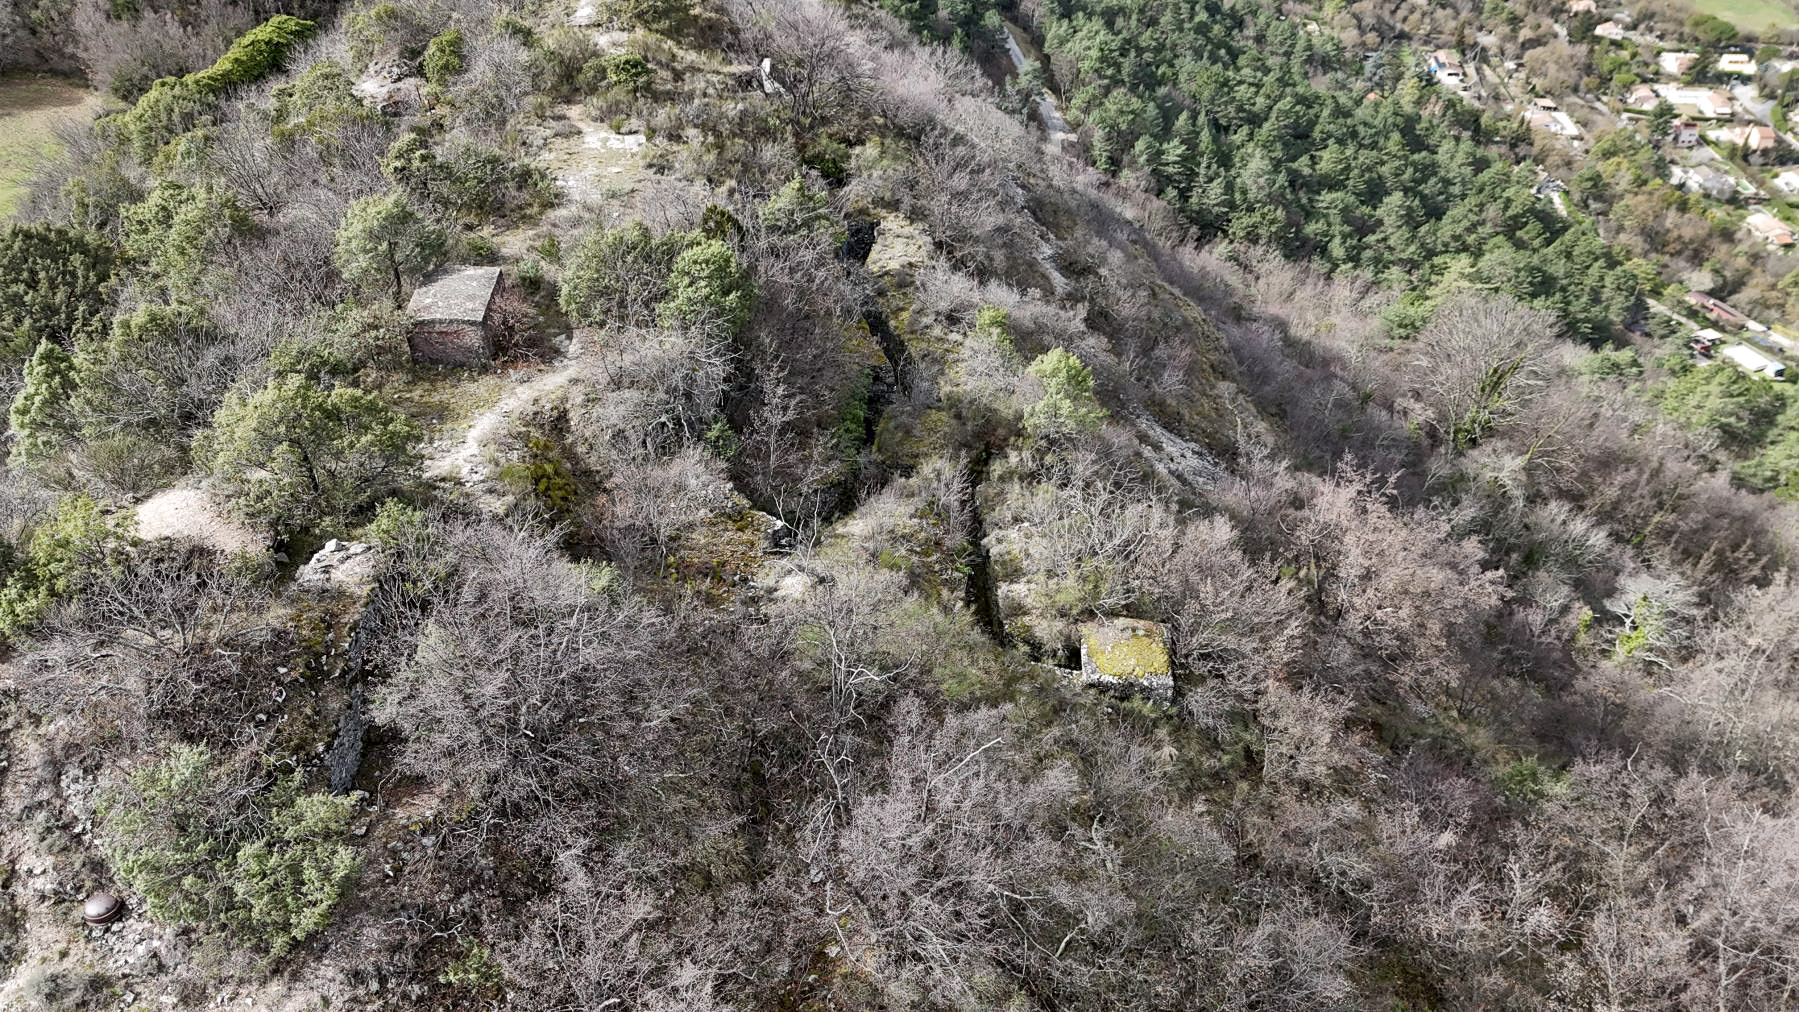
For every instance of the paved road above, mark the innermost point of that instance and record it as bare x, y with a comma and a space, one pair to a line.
1760, 109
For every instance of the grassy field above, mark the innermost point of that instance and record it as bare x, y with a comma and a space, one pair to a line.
1752, 16
31, 105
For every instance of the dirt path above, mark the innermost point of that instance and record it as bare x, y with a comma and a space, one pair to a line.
469, 461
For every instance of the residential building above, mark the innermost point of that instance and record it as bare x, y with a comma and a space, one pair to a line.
1717, 310
1544, 114
1787, 181
1609, 30
1698, 103
1737, 63
1674, 64
1769, 229
1684, 133
1446, 67
1703, 180
1754, 362
1582, 7
1754, 139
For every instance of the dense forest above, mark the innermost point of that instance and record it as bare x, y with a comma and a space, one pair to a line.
1264, 130
871, 554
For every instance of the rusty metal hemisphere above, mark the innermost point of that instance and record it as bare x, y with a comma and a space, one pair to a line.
102, 908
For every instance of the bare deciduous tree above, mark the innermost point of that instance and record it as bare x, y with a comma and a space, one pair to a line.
1479, 358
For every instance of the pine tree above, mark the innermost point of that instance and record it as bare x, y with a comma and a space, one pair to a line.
386, 238
40, 417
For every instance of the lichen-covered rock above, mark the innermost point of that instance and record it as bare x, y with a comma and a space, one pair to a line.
391, 98
900, 248
1127, 655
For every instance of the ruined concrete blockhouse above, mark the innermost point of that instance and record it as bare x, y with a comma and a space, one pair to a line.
1127, 655
455, 316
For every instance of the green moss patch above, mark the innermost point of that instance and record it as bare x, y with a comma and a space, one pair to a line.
1128, 649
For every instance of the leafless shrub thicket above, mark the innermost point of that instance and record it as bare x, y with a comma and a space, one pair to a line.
1069, 533
946, 867
817, 56
653, 501
490, 94
125, 54
802, 365
159, 645
541, 699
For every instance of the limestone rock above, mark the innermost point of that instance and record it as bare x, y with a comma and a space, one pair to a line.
391, 98
194, 515
339, 566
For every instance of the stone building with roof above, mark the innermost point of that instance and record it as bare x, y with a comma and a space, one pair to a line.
455, 316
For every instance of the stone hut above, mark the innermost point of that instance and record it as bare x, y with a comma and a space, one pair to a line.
1127, 655
455, 316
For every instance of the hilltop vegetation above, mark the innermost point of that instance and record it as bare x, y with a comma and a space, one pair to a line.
719, 644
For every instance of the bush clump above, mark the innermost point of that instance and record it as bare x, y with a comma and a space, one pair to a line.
40, 417
295, 457
318, 106
620, 275
176, 230
385, 240
173, 104
55, 559
630, 276
55, 285
444, 57
470, 181
203, 848
707, 288
1068, 405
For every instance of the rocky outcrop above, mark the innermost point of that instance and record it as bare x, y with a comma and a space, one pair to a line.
340, 565
900, 249
193, 515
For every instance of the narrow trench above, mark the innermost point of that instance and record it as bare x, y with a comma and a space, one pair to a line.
981, 595
899, 357
344, 759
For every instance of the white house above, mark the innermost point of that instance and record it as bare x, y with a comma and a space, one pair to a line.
1544, 114
1755, 139
1446, 67
1702, 103
1737, 63
1769, 229
1787, 181
1753, 362
1675, 63
1609, 30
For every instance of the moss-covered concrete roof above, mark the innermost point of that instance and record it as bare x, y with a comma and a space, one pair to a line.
1125, 648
